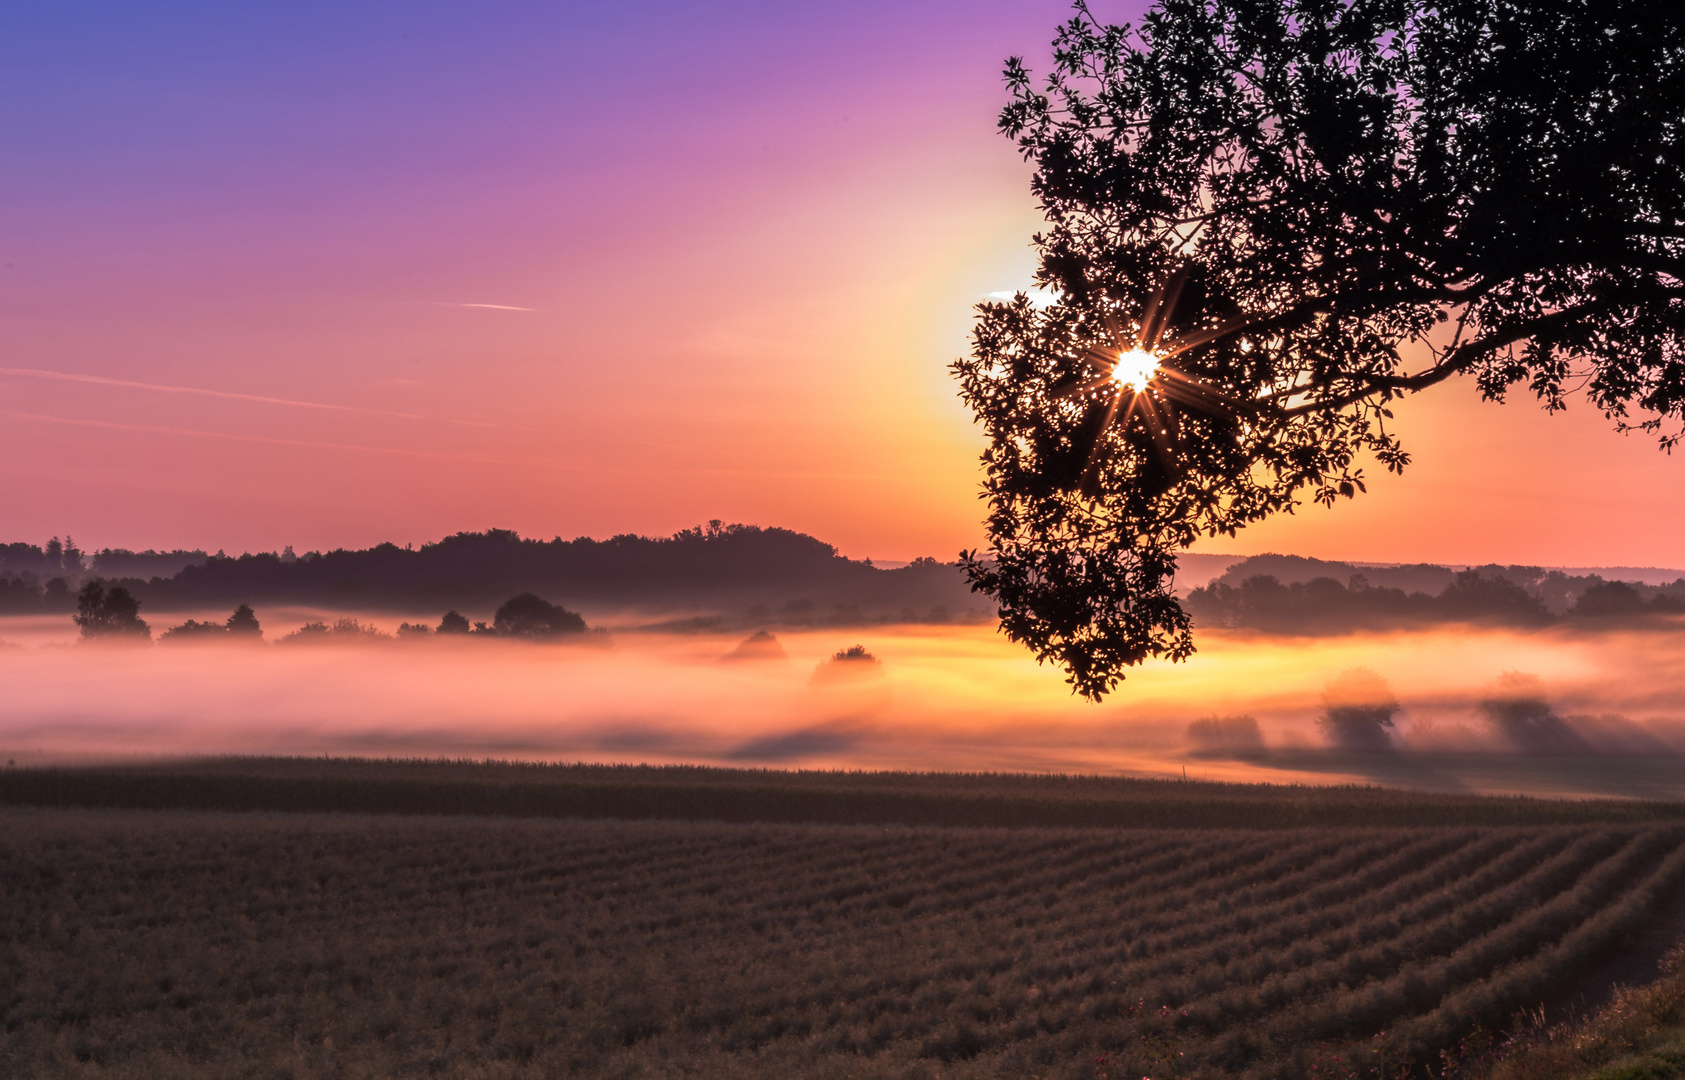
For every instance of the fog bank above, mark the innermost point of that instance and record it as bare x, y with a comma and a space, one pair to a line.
940, 698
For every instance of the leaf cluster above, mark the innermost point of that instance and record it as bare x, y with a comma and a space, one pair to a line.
1356, 199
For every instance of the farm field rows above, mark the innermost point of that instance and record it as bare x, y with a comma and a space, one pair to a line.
176, 944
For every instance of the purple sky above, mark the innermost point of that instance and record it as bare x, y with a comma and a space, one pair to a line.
727, 252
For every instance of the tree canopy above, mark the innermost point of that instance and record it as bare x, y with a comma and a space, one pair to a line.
109, 614
1267, 220
531, 616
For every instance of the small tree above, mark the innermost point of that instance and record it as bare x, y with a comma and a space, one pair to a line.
1517, 708
453, 623
109, 614
531, 616
1357, 710
243, 623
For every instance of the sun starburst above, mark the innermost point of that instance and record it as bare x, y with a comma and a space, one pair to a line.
1135, 368
1135, 375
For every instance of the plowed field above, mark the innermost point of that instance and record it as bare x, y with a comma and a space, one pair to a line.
148, 944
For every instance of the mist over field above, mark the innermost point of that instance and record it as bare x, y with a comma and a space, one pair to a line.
943, 698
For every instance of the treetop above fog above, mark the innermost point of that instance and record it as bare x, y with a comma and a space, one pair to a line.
1307, 210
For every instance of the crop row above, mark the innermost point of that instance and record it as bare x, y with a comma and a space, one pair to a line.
192, 945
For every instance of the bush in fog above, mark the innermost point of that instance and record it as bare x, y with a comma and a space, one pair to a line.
193, 630
343, 630
760, 645
240, 626
414, 630
1357, 710
1226, 734
850, 666
109, 614
531, 616
1517, 710
453, 623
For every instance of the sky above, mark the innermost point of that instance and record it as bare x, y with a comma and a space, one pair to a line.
332, 274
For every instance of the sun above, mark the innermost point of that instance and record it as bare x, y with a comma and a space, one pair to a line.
1134, 369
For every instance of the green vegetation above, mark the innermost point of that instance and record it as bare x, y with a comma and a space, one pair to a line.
165, 945
687, 792
1640, 1035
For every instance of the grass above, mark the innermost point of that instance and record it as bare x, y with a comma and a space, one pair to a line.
1640, 1035
750, 795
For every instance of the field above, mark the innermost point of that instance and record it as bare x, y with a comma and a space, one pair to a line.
683, 792
147, 943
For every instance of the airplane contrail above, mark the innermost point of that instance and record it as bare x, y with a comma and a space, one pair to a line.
459, 303
159, 429
476, 459
100, 380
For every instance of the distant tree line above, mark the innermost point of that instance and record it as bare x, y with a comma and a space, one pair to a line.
774, 575
1511, 596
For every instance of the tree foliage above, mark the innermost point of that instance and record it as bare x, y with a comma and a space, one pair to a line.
103, 613
1308, 209
531, 616
1357, 709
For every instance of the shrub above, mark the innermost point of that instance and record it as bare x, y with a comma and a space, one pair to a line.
1357, 709
531, 616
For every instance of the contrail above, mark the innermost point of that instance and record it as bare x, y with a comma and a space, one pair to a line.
536, 463
100, 380
157, 429
458, 303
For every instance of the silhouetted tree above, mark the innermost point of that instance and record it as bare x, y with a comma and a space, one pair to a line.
344, 630
531, 616
113, 613
453, 623
1281, 201
241, 626
761, 645
851, 666
1357, 709
193, 630
1610, 598
1516, 708
56, 596
243, 623
1473, 595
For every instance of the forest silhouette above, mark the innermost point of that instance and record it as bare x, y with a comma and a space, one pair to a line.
1252, 595
769, 574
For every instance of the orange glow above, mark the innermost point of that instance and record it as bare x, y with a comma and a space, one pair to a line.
955, 697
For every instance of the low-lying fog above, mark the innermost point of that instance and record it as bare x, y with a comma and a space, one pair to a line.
939, 698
